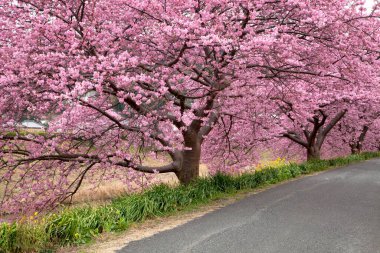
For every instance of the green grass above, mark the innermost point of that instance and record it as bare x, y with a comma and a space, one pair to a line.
75, 226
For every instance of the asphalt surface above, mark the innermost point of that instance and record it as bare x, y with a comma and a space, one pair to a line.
335, 211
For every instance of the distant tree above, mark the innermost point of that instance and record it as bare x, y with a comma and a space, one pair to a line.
358, 125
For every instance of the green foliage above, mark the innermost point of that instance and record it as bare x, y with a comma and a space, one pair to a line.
23, 237
73, 226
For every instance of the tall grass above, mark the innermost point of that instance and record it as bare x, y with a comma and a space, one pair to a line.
73, 226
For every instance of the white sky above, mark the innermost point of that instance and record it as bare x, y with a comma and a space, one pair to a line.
370, 3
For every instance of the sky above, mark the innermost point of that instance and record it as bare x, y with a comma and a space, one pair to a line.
370, 3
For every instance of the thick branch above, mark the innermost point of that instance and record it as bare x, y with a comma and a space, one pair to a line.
329, 126
294, 137
206, 129
173, 167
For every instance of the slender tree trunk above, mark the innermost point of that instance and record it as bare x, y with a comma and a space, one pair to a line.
357, 145
190, 159
313, 153
355, 150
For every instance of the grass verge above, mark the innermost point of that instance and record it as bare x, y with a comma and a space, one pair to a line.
74, 226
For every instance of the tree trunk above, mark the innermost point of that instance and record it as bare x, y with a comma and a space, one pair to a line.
313, 153
314, 139
356, 149
357, 145
189, 169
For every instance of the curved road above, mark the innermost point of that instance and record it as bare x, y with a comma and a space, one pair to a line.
335, 211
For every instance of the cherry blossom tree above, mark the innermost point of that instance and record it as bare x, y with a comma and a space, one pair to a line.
309, 107
308, 118
354, 128
124, 80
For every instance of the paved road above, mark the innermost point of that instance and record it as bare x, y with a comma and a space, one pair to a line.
336, 211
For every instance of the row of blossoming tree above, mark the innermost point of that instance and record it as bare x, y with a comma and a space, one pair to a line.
212, 81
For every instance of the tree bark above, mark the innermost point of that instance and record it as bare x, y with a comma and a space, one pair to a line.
189, 169
356, 146
190, 158
313, 153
